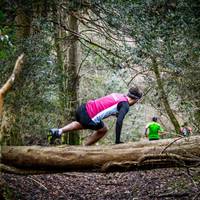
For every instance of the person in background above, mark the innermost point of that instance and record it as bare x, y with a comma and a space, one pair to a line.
153, 129
91, 114
185, 130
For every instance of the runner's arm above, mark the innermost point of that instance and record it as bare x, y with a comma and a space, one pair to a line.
146, 130
123, 108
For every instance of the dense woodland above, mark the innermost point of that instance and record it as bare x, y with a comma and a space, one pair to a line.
55, 55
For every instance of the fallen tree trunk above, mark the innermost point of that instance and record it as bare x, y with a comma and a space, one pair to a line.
180, 152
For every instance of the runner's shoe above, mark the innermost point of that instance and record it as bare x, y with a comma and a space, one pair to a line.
119, 142
53, 135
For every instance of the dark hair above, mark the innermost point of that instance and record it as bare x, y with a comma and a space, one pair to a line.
185, 124
155, 119
134, 93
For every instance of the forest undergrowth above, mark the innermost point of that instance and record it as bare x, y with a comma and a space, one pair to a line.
176, 183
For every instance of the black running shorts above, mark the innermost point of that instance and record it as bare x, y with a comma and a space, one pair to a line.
83, 118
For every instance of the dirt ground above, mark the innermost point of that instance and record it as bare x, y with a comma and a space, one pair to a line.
142, 185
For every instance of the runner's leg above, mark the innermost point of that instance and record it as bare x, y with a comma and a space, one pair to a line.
72, 127
97, 135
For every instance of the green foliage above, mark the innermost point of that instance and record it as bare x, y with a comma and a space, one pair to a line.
165, 30
6, 46
2, 16
36, 102
169, 32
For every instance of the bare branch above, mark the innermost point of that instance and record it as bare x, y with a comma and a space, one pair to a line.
9, 83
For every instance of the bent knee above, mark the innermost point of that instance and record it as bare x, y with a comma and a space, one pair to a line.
102, 130
105, 129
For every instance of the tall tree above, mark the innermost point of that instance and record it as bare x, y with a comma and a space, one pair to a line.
72, 70
9, 119
26, 36
4, 90
163, 96
67, 48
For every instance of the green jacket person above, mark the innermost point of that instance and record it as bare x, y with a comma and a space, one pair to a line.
153, 129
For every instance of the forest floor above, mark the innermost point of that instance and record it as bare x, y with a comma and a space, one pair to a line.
154, 184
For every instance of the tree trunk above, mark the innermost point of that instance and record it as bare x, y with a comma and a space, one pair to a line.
73, 81
61, 60
9, 83
10, 117
5, 89
164, 97
23, 22
123, 157
67, 64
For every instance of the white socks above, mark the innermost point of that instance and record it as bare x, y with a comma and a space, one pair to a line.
60, 131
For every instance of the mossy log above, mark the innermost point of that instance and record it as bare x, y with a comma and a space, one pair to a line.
182, 152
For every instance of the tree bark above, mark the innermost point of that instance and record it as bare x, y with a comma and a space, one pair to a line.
6, 88
145, 154
67, 65
73, 81
23, 22
164, 97
9, 83
9, 127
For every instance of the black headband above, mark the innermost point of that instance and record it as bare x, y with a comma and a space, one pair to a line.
133, 96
